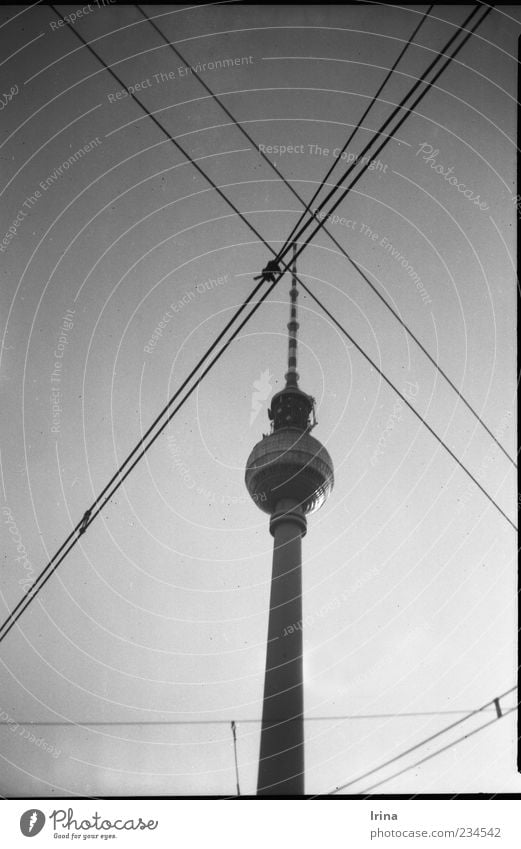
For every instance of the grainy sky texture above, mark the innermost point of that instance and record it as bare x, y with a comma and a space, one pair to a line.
150, 637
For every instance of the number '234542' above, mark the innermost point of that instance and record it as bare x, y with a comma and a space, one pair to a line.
478, 832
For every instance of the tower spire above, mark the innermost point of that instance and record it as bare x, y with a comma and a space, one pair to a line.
291, 407
292, 375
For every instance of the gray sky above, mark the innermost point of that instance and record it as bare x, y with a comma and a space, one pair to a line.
160, 614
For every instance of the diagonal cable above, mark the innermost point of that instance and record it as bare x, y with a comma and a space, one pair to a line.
407, 110
405, 401
439, 751
120, 476
422, 743
308, 206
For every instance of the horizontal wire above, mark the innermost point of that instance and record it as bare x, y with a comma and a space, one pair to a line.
153, 722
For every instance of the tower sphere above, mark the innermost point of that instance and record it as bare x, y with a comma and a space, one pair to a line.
289, 463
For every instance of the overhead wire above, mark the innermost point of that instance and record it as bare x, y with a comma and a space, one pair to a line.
407, 111
296, 234
308, 205
239, 721
424, 742
411, 407
89, 515
118, 479
404, 117
358, 125
233, 724
439, 751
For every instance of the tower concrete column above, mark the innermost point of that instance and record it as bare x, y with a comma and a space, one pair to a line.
281, 764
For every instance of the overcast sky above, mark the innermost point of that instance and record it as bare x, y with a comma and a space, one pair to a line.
157, 620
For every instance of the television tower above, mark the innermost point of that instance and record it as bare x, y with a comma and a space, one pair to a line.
288, 475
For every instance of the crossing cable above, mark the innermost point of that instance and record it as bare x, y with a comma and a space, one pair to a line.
424, 742
287, 244
308, 206
404, 399
362, 119
407, 112
91, 514
282, 252
295, 236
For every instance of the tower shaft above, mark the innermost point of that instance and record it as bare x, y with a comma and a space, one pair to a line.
281, 764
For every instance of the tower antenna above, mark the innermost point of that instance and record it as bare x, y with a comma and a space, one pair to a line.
292, 375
